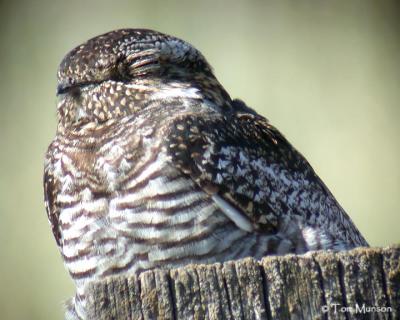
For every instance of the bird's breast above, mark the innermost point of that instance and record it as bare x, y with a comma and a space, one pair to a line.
151, 216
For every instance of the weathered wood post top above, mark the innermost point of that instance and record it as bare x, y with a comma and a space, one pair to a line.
360, 284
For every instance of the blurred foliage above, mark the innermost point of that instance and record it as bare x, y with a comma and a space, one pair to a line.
326, 73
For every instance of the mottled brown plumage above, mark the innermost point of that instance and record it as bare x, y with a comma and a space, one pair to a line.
155, 166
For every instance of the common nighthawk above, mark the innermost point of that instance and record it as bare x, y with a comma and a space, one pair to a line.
155, 166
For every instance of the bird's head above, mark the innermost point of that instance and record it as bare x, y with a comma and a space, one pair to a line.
116, 73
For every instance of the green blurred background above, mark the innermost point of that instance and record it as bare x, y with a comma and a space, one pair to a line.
326, 73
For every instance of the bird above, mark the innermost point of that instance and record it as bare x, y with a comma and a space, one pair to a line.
154, 165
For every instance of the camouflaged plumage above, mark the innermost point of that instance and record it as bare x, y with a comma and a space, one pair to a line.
155, 166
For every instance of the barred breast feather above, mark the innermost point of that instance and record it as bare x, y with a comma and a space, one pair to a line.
120, 204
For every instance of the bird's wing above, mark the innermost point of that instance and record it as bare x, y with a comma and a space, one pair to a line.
251, 171
51, 189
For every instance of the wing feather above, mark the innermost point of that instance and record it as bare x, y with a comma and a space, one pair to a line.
252, 172
51, 190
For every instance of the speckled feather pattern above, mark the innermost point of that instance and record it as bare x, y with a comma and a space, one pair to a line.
155, 166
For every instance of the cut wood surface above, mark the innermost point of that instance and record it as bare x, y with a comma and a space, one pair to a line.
360, 284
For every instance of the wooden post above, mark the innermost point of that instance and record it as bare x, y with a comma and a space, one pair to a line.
363, 283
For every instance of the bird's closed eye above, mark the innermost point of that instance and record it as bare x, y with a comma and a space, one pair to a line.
73, 90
